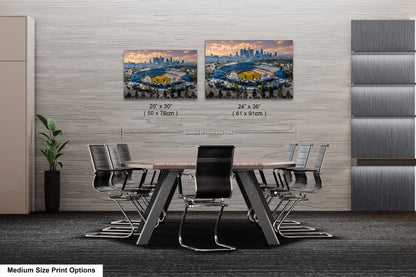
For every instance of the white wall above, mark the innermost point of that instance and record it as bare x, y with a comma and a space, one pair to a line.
79, 62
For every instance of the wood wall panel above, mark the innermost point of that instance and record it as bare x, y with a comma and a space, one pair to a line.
79, 52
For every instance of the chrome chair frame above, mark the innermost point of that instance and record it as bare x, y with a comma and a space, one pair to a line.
278, 185
106, 183
205, 196
284, 175
224, 247
114, 151
292, 200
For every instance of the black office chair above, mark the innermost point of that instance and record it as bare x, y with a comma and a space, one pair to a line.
297, 193
289, 157
106, 179
124, 155
213, 183
118, 154
283, 176
267, 187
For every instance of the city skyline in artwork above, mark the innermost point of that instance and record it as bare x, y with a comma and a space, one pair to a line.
160, 74
249, 69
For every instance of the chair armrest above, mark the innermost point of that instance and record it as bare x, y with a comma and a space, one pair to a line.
131, 168
191, 176
116, 170
179, 180
281, 168
294, 169
109, 170
187, 173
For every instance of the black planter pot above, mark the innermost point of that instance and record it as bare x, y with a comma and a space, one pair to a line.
52, 190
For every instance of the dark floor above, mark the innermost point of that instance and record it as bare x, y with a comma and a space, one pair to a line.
370, 244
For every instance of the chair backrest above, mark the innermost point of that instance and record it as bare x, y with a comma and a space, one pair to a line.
99, 160
113, 154
301, 178
303, 155
99, 157
290, 151
302, 181
213, 171
123, 152
320, 157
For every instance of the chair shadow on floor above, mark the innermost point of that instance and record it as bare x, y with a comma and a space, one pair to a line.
240, 233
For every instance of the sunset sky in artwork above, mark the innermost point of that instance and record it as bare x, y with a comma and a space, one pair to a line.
141, 56
227, 47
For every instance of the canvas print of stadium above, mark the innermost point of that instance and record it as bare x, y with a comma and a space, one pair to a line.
249, 69
160, 74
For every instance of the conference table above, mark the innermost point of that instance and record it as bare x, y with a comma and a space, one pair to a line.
171, 167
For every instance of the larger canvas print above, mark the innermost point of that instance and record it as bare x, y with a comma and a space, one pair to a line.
249, 69
160, 74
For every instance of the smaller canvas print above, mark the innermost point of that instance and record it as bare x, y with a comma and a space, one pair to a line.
249, 69
160, 74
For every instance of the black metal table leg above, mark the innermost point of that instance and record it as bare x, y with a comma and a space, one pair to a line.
161, 195
254, 198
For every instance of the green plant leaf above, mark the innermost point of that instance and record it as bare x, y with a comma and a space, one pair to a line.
43, 120
60, 164
50, 156
59, 143
58, 155
51, 124
62, 146
57, 133
46, 143
46, 137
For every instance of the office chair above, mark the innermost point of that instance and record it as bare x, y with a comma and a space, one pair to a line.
118, 154
284, 178
213, 183
124, 155
284, 175
289, 157
297, 194
266, 187
106, 179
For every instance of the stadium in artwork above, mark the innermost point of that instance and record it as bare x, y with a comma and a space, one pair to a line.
160, 74
249, 69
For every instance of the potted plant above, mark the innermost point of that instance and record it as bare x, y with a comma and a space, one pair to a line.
52, 153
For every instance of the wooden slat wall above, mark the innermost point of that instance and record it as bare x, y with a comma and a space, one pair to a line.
79, 55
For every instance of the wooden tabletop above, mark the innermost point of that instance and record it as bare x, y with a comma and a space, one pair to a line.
190, 162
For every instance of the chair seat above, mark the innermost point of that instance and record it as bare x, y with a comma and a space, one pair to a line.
202, 202
278, 190
264, 187
292, 197
150, 187
133, 186
118, 197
